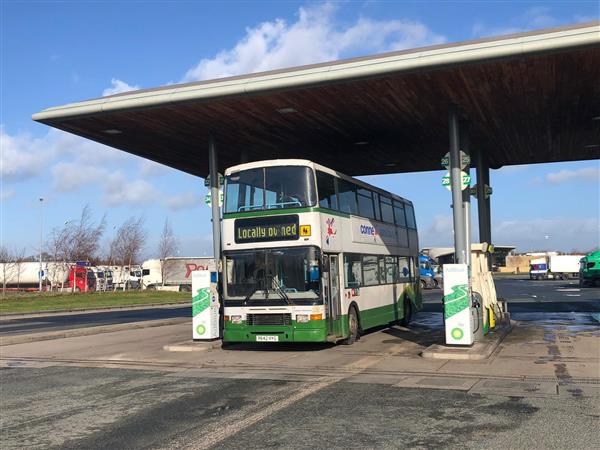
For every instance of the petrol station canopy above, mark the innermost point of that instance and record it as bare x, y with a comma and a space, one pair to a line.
526, 98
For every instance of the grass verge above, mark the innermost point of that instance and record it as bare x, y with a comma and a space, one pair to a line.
50, 301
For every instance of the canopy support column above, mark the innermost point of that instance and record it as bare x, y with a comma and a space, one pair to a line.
215, 197
483, 203
466, 193
460, 248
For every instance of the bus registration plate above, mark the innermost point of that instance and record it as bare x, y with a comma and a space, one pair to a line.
267, 338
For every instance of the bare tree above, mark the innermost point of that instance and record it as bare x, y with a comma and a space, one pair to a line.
128, 243
77, 240
85, 235
7, 267
167, 246
59, 250
18, 259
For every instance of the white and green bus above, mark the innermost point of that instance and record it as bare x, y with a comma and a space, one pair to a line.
311, 255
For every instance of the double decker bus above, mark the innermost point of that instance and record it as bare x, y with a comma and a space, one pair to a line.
312, 255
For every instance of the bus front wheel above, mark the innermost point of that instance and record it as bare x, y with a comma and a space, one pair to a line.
353, 328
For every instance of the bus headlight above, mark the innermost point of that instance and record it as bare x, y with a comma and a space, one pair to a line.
302, 318
236, 319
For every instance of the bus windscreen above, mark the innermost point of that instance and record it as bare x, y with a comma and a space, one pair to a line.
267, 188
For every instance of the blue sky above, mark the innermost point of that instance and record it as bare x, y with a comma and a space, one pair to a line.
59, 52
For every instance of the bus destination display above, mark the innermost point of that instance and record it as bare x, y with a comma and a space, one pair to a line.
264, 229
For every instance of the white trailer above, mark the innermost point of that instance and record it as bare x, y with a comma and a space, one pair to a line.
177, 272
25, 275
124, 277
564, 266
555, 267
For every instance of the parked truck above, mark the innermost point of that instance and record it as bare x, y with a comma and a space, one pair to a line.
428, 272
82, 279
123, 277
589, 269
554, 267
177, 272
23, 275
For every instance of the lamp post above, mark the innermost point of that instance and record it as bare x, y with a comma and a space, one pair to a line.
41, 238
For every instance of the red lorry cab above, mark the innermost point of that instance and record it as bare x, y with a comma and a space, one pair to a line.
85, 281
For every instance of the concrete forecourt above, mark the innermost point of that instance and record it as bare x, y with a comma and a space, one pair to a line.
121, 389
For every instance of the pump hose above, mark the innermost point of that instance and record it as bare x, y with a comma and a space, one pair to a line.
498, 315
476, 301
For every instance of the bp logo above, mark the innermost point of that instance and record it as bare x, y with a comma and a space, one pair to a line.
457, 334
200, 329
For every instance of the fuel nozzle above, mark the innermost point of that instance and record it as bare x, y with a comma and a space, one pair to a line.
476, 300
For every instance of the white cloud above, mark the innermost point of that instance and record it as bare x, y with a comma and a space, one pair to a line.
6, 195
184, 201
115, 187
539, 17
121, 191
117, 87
439, 233
583, 174
441, 224
24, 156
579, 18
153, 169
70, 177
314, 37
563, 234
532, 18
20, 157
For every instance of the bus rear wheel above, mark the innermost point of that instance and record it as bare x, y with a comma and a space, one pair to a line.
353, 328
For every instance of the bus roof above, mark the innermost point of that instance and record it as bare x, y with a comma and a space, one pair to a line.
315, 166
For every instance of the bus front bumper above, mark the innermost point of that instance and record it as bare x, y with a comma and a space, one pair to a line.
313, 331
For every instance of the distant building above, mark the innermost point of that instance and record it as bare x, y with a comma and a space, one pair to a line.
445, 255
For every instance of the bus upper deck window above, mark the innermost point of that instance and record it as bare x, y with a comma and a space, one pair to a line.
326, 190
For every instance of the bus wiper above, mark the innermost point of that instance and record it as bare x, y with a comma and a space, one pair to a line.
252, 292
280, 291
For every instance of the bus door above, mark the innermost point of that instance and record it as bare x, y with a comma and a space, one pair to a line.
332, 289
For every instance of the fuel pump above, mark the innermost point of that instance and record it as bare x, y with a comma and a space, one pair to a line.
457, 305
205, 305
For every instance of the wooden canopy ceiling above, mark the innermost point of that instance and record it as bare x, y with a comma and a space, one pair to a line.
520, 109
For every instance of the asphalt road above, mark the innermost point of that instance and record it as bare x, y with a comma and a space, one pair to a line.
523, 295
62, 322
98, 408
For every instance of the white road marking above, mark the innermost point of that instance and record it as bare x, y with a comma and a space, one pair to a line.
573, 295
230, 430
227, 431
569, 290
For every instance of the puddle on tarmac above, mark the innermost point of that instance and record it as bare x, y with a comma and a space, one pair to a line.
429, 320
562, 324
